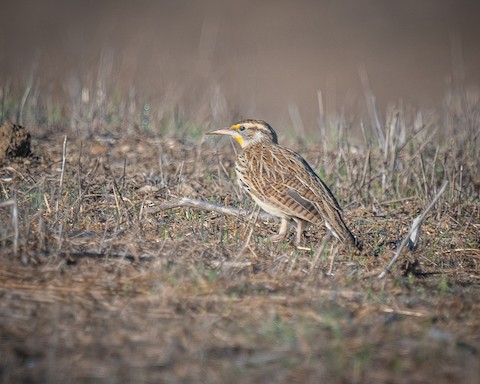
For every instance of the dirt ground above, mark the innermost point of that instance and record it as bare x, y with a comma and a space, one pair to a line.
99, 285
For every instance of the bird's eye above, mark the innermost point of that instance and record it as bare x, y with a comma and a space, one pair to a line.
241, 129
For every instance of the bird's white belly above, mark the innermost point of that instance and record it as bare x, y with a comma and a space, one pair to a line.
269, 208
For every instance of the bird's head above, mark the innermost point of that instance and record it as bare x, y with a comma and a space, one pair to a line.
249, 132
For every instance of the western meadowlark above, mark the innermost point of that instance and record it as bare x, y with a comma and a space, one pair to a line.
282, 183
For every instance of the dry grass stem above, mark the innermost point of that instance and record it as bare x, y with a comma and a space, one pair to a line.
413, 233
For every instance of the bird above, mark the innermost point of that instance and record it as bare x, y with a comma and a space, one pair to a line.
283, 184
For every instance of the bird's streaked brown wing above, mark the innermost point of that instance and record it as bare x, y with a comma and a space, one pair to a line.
281, 177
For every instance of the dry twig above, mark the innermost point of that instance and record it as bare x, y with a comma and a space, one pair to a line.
206, 206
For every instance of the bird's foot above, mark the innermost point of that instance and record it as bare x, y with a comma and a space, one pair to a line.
278, 237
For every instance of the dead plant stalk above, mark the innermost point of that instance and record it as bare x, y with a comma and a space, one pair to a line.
412, 235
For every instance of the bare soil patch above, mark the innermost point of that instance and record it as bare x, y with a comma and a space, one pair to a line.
14, 141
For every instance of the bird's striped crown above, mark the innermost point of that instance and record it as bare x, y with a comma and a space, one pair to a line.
253, 131
248, 132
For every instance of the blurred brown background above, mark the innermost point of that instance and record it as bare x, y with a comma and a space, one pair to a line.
261, 59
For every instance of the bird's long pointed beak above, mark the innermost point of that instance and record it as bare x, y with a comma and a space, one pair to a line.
224, 131
228, 132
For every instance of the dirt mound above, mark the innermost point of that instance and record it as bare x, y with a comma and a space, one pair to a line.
14, 141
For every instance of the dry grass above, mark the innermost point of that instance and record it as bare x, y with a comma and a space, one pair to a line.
97, 285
